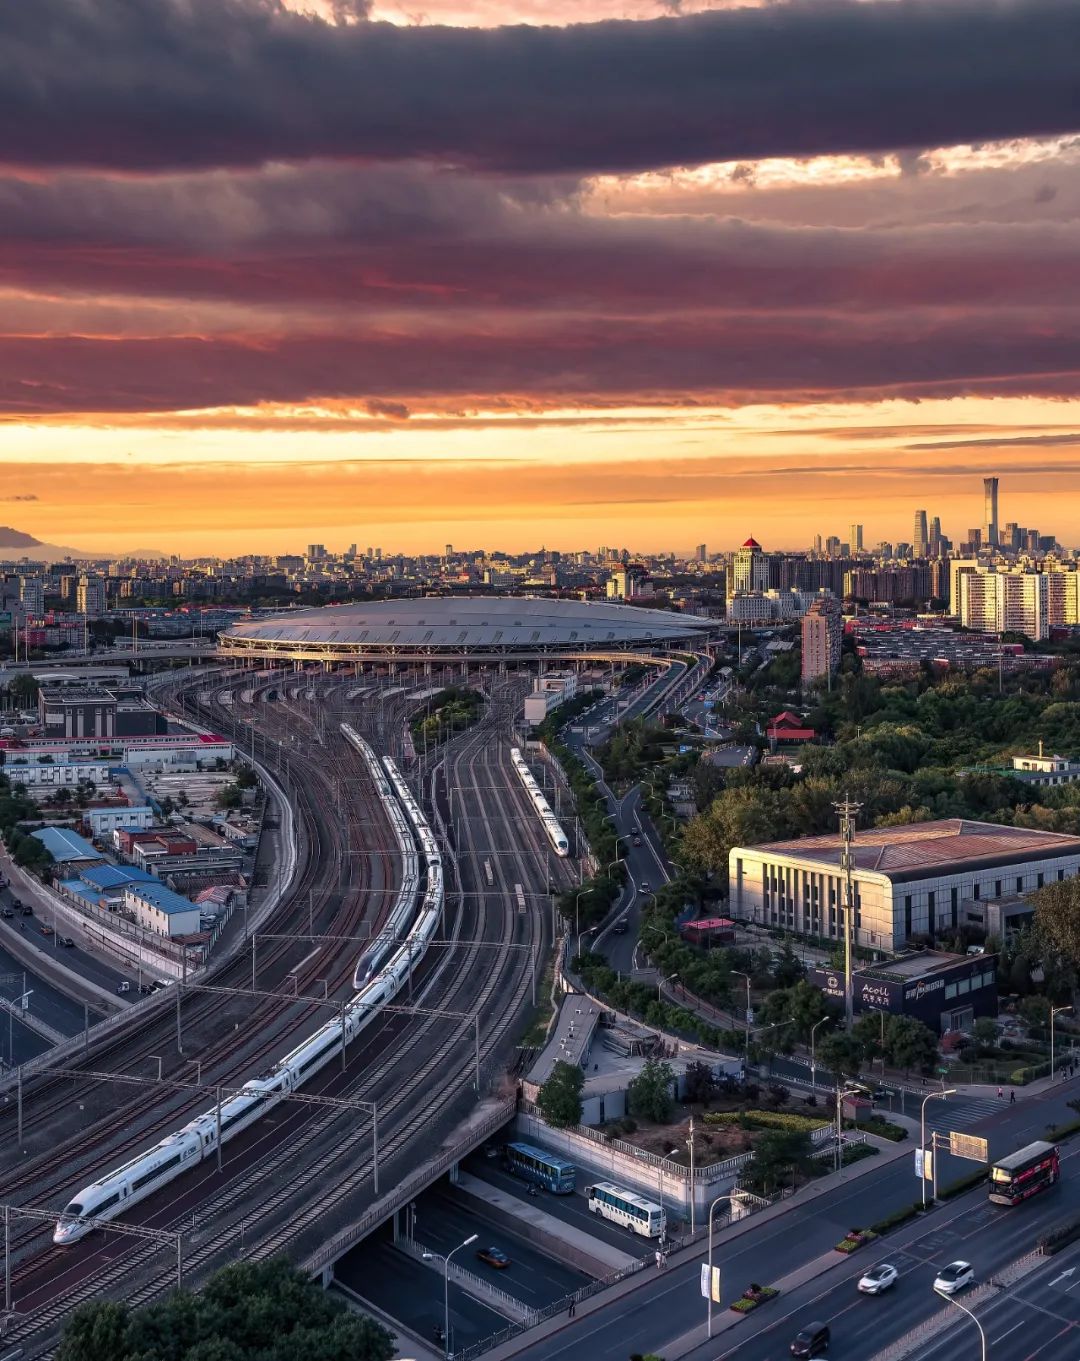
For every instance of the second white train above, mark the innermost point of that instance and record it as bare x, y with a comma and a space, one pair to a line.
552, 825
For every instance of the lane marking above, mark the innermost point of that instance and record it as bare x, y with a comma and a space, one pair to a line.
1005, 1334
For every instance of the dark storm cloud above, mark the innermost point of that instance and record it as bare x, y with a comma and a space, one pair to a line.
574, 362
198, 83
406, 236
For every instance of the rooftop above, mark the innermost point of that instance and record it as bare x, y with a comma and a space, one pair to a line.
445, 624
928, 847
162, 898
65, 845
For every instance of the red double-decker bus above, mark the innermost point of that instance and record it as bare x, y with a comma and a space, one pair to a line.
1024, 1173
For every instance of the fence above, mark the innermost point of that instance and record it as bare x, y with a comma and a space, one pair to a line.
470, 1281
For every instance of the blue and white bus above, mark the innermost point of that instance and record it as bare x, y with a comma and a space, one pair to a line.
533, 1164
626, 1208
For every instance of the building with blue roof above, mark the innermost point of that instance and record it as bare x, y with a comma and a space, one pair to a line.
162, 911
67, 847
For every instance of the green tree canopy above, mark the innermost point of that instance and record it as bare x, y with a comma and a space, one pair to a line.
252, 1311
841, 1053
559, 1097
1057, 919
649, 1095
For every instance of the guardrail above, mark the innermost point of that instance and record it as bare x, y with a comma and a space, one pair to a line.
470, 1281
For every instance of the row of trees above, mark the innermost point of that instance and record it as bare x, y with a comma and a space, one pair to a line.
450, 711
650, 1095
264, 1311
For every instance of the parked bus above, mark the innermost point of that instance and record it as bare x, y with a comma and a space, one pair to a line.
533, 1164
626, 1208
1024, 1173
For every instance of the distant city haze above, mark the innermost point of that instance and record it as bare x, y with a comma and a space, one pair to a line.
481, 290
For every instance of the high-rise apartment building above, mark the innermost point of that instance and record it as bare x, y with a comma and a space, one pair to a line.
90, 596
855, 539
822, 635
702, 553
32, 596
990, 513
1004, 602
921, 541
749, 569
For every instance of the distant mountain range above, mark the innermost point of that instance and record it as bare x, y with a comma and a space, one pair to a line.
14, 543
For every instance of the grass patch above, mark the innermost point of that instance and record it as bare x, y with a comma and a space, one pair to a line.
884, 1129
536, 1031
805, 1124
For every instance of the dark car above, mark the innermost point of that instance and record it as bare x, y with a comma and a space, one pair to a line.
636, 839
66, 940
494, 1257
810, 1341
7, 912
621, 927
25, 909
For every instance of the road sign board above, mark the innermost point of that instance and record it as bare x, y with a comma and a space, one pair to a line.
968, 1146
944, 1072
705, 1292
749, 1015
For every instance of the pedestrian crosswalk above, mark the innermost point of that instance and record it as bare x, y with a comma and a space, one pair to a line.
961, 1112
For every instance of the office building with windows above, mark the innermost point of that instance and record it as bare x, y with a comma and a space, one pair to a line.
913, 881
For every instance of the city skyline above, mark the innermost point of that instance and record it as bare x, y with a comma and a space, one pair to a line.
232, 328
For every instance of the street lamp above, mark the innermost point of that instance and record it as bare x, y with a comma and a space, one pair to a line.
660, 981
930, 1096
708, 1316
1054, 1012
950, 1299
739, 974
813, 1060
446, 1288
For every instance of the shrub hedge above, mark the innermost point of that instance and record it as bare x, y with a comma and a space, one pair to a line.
767, 1120
898, 1217
1060, 1236
856, 1239
961, 1184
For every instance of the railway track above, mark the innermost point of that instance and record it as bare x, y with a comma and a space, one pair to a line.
304, 1166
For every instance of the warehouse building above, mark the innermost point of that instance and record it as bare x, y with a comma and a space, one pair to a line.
908, 882
945, 992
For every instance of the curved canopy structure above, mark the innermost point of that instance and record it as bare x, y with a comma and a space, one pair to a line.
476, 628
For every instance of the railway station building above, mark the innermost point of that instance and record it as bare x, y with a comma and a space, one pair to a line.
908, 882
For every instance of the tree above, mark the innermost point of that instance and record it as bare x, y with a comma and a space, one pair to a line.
649, 1094
1057, 919
787, 968
559, 1098
776, 1153
842, 1054
265, 1311
985, 1029
24, 690
910, 1044
700, 1084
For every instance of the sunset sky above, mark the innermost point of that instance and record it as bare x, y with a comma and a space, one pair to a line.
523, 272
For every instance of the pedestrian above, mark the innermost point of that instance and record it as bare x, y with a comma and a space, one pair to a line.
1001, 1093
573, 1307
1012, 1098
659, 1259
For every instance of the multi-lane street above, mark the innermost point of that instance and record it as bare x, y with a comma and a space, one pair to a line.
658, 1312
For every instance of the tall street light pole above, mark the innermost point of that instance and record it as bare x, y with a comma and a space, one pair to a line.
1054, 1011
708, 1316
739, 974
813, 1058
446, 1292
950, 1300
930, 1096
847, 809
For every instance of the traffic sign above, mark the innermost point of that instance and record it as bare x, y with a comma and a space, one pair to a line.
969, 1146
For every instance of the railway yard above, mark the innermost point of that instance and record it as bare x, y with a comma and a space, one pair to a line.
306, 1169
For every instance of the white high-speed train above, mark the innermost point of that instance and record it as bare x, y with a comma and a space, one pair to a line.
118, 1190
552, 825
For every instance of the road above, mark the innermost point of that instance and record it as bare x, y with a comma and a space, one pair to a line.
1036, 1320
46, 1001
667, 1306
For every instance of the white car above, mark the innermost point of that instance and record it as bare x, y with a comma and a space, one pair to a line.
878, 1279
956, 1276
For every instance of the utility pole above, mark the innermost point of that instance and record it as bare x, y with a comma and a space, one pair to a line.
848, 809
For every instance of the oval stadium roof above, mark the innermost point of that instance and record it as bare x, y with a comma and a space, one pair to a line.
463, 626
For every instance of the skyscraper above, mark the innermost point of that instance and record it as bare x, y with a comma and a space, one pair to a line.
921, 543
702, 553
935, 536
855, 539
749, 569
990, 514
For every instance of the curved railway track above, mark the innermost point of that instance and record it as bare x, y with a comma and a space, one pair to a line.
303, 1166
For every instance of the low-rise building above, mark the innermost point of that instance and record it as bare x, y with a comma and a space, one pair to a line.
945, 992
103, 821
160, 910
907, 881
67, 847
551, 690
